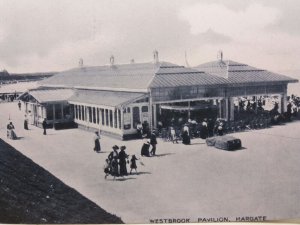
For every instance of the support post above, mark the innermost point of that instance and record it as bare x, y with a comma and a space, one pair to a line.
189, 110
284, 100
227, 109
151, 111
219, 107
154, 117
231, 106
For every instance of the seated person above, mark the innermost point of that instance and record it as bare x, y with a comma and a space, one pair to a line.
145, 149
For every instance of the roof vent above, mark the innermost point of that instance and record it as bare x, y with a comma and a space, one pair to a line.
80, 63
112, 60
131, 61
220, 55
155, 56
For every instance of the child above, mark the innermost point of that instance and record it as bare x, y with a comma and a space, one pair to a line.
133, 164
106, 168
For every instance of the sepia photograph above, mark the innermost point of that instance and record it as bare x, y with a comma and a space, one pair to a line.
149, 111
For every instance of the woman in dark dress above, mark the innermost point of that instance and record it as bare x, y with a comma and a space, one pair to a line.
26, 123
145, 149
122, 161
97, 147
186, 138
114, 168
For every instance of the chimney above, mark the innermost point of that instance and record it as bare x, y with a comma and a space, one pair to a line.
155, 57
112, 60
220, 55
80, 63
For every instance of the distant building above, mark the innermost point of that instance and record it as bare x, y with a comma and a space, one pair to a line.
114, 98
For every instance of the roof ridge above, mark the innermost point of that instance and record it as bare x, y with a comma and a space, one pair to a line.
180, 72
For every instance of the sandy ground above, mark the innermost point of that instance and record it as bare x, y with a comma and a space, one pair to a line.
192, 182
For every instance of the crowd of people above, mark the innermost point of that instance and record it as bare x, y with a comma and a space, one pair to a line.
250, 115
116, 163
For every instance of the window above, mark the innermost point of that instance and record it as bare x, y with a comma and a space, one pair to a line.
94, 115
89, 111
111, 118
119, 113
106, 117
67, 112
83, 112
102, 116
127, 119
98, 115
144, 108
116, 119
79, 112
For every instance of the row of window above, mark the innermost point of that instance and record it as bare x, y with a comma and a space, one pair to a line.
110, 118
164, 94
95, 115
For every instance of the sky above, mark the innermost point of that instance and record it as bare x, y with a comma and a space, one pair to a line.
52, 35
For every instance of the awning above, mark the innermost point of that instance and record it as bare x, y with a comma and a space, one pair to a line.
186, 108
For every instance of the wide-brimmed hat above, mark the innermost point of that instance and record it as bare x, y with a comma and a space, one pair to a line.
115, 147
123, 147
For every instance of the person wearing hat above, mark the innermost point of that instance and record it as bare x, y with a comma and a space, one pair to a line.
97, 147
113, 159
114, 154
10, 131
153, 143
122, 161
26, 123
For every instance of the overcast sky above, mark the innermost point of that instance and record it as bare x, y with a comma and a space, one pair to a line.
52, 35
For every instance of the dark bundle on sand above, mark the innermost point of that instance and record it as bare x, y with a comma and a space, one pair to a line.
30, 194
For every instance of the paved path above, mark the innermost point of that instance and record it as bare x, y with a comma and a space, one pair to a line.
183, 181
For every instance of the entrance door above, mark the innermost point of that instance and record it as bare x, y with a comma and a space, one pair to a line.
135, 116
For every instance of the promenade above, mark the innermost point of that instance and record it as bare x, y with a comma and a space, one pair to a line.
188, 182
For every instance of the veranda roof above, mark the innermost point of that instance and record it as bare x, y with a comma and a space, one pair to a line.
104, 98
50, 95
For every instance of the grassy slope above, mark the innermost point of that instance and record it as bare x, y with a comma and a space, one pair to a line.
30, 194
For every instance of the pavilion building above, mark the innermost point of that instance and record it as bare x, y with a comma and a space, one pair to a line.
115, 98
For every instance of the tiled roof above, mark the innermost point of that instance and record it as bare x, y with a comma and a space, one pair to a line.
51, 95
106, 98
239, 73
185, 77
136, 77
127, 76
